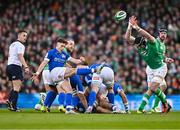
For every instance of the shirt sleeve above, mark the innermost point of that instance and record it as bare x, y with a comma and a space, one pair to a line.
68, 57
48, 56
20, 49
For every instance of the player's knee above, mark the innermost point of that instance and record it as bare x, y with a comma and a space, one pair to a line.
17, 85
157, 79
154, 86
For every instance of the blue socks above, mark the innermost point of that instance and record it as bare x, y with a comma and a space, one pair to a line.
51, 95
61, 98
92, 98
111, 98
68, 101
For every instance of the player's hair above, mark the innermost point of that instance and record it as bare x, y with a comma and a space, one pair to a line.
61, 40
21, 31
162, 29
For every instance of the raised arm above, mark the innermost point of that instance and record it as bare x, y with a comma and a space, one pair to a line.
129, 38
141, 31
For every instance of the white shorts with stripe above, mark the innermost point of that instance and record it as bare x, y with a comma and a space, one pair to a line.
153, 75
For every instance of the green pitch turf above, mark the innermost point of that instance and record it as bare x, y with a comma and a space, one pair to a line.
31, 119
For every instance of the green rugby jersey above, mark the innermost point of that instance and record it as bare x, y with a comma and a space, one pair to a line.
153, 54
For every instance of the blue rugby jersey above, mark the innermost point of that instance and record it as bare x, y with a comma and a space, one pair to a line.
56, 58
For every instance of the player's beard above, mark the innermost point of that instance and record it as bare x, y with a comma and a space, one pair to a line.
162, 38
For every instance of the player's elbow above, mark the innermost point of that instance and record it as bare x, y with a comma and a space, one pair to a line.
126, 37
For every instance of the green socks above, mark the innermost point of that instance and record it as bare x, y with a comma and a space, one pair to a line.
144, 102
160, 95
156, 102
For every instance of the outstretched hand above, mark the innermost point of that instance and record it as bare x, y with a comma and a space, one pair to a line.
82, 59
169, 60
34, 78
133, 21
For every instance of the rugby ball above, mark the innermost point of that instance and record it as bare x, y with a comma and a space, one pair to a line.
120, 15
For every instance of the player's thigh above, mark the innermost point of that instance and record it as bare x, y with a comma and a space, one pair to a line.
16, 84
46, 76
60, 89
57, 74
66, 86
50, 88
96, 82
69, 72
103, 90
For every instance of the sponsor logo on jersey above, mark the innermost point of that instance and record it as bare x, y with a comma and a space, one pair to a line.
59, 60
63, 56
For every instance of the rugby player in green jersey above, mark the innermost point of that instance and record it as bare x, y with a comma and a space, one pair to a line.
152, 52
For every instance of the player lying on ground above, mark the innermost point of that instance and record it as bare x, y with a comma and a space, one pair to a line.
117, 91
101, 104
106, 77
152, 52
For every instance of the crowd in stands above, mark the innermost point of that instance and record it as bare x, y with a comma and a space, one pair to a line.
97, 36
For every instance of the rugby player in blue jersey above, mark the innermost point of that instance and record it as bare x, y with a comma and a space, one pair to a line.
56, 59
106, 77
75, 81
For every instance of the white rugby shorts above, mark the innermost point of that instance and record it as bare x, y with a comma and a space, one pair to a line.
46, 77
57, 74
106, 77
154, 74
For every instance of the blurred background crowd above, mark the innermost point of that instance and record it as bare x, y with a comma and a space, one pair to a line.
90, 24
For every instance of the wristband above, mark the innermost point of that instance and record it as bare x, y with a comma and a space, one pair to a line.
37, 73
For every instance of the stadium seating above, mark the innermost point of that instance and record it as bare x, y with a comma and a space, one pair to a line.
91, 25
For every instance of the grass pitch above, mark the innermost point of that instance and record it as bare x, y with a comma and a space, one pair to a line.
31, 119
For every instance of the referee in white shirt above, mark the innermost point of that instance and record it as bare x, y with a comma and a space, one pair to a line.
14, 68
